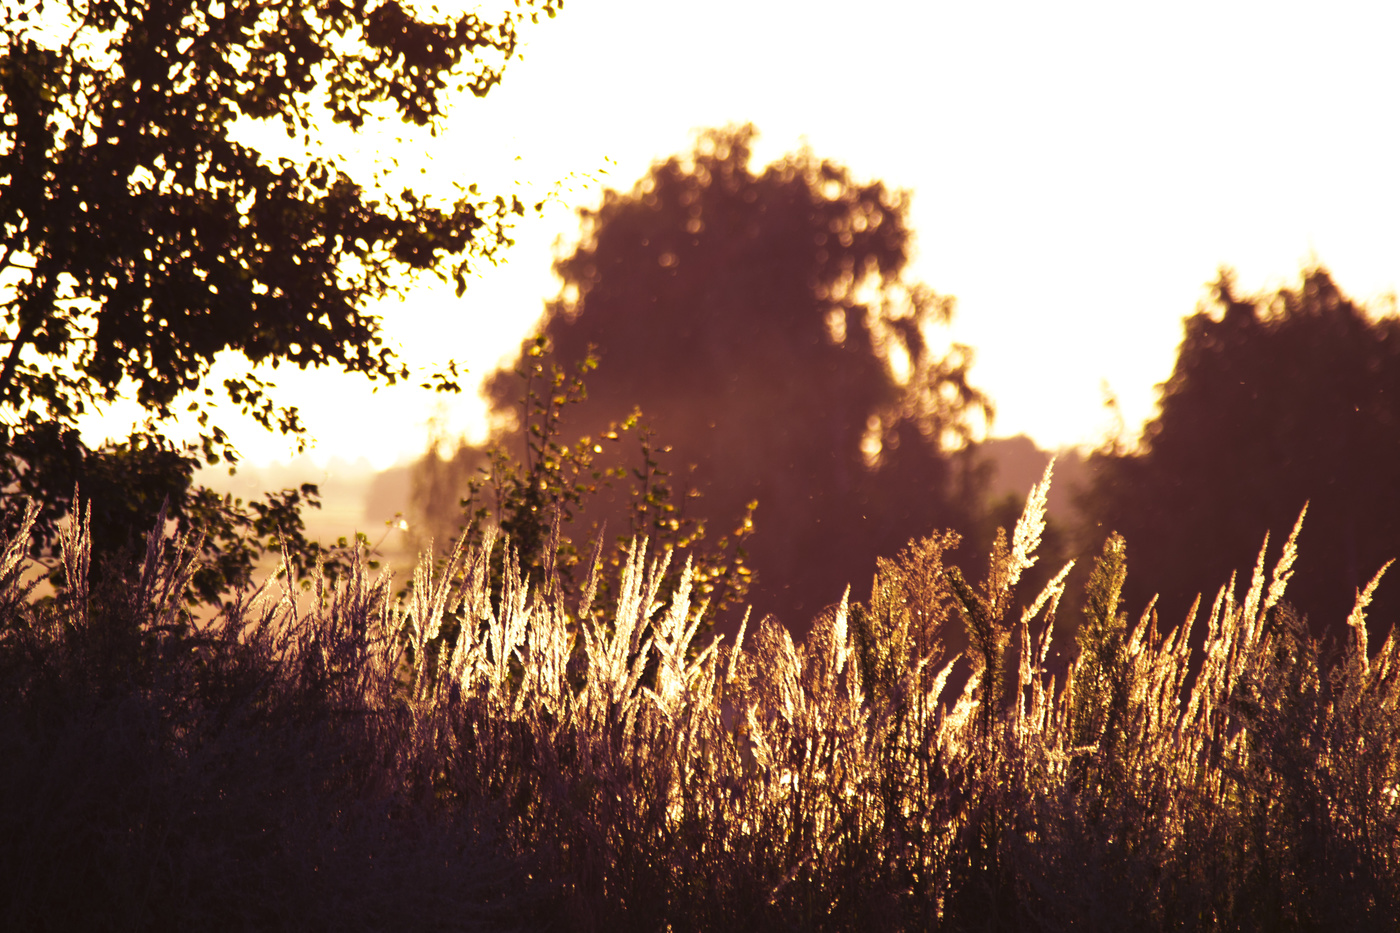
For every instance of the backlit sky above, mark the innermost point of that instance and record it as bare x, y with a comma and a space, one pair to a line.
1080, 170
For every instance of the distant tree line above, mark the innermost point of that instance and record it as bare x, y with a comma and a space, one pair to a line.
762, 323
1276, 400
748, 336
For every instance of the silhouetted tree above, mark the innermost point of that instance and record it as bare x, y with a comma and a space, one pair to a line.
1275, 401
764, 324
139, 238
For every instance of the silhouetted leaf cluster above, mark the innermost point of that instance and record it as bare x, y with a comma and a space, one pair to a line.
139, 238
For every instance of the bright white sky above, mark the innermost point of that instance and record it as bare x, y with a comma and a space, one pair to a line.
1080, 170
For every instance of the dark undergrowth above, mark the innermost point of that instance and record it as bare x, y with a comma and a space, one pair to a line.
478, 756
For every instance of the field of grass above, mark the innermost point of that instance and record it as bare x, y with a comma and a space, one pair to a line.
478, 756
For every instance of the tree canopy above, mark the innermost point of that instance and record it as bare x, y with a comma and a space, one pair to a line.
139, 237
1275, 400
765, 324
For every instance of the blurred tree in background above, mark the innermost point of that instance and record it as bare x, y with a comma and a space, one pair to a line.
139, 237
1275, 401
765, 326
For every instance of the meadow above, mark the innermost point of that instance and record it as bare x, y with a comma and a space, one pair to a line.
479, 755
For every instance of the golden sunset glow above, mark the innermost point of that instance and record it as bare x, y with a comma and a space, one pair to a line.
1079, 173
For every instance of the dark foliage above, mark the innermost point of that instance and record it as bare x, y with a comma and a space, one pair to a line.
138, 238
242, 773
135, 480
1275, 401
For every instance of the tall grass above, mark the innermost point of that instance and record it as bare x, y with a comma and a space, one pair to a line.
481, 756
